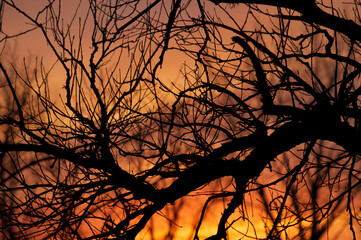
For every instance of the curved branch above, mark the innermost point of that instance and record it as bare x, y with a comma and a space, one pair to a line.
312, 14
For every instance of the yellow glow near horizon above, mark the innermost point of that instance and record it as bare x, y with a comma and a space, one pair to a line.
171, 73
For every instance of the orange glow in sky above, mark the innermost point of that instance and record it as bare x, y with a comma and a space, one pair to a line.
33, 47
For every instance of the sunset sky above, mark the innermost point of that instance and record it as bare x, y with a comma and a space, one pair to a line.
29, 46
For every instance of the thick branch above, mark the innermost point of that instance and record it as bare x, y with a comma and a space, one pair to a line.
311, 13
265, 150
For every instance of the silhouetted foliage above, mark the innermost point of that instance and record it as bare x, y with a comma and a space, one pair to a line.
262, 112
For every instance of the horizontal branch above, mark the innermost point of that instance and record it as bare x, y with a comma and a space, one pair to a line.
311, 13
265, 149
